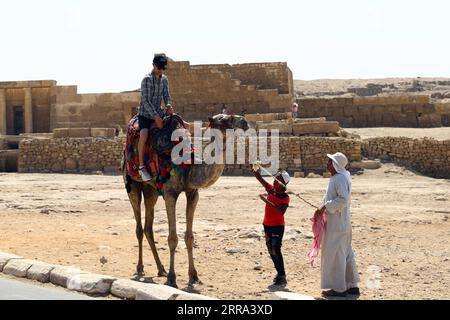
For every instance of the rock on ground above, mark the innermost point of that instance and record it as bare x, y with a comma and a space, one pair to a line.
18, 267
61, 275
157, 292
191, 296
5, 258
40, 272
91, 283
127, 289
282, 295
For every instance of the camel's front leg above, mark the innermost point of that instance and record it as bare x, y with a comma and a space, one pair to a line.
150, 199
171, 201
192, 200
135, 197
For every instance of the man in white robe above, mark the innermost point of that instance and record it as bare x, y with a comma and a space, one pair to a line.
338, 266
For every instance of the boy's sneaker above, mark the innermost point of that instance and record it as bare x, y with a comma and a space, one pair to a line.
144, 174
280, 281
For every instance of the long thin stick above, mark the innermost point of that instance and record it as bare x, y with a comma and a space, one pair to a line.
307, 202
298, 195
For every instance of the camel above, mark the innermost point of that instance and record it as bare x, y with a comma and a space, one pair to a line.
197, 176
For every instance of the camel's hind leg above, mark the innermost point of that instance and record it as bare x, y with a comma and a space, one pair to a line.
135, 197
150, 199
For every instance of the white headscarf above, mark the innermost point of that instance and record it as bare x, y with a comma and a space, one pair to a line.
339, 169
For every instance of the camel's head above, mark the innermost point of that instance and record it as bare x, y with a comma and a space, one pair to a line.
225, 122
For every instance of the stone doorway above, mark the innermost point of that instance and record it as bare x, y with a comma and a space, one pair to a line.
18, 120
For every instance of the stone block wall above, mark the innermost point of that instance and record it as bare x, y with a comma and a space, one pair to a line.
379, 111
99, 154
201, 91
3, 143
428, 156
77, 155
109, 110
309, 154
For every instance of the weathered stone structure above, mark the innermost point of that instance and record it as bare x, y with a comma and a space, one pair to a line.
297, 154
101, 154
378, 111
203, 90
428, 156
73, 155
197, 92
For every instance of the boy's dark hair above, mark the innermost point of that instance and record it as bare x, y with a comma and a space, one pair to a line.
160, 61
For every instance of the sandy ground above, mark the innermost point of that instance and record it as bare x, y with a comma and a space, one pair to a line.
436, 133
400, 222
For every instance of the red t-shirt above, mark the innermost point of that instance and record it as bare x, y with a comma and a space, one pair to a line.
272, 217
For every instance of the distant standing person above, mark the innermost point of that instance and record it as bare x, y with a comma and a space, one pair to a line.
154, 89
338, 265
295, 111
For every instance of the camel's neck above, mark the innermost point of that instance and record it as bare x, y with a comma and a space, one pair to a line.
205, 175
202, 176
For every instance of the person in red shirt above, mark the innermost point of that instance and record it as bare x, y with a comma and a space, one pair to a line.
277, 203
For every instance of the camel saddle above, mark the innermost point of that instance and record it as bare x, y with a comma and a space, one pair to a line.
158, 147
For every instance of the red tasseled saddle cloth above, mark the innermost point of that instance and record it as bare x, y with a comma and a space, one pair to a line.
132, 152
158, 164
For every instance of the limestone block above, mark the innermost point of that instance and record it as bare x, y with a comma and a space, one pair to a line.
5, 258
40, 272
409, 108
79, 132
429, 109
282, 126
191, 296
345, 122
350, 110
366, 164
308, 120
127, 289
103, 132
269, 117
282, 295
254, 117
365, 109
442, 108
71, 164
316, 127
18, 267
157, 292
299, 175
90, 283
60, 133
61, 275
430, 120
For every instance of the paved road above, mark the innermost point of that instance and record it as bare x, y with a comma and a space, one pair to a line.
20, 290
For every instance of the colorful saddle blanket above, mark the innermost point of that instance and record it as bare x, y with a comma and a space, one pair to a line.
157, 157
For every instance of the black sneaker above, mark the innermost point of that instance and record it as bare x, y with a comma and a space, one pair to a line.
333, 294
354, 292
280, 281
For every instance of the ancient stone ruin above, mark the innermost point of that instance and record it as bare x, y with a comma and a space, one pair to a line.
45, 127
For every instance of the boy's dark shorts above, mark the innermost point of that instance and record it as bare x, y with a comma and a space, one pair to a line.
145, 123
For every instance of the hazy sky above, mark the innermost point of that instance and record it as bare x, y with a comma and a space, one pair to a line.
108, 45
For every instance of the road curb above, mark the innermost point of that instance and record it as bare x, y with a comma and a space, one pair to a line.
75, 279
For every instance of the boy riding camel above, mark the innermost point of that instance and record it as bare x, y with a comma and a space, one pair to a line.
154, 88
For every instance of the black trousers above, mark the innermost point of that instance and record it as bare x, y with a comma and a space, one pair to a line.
274, 241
